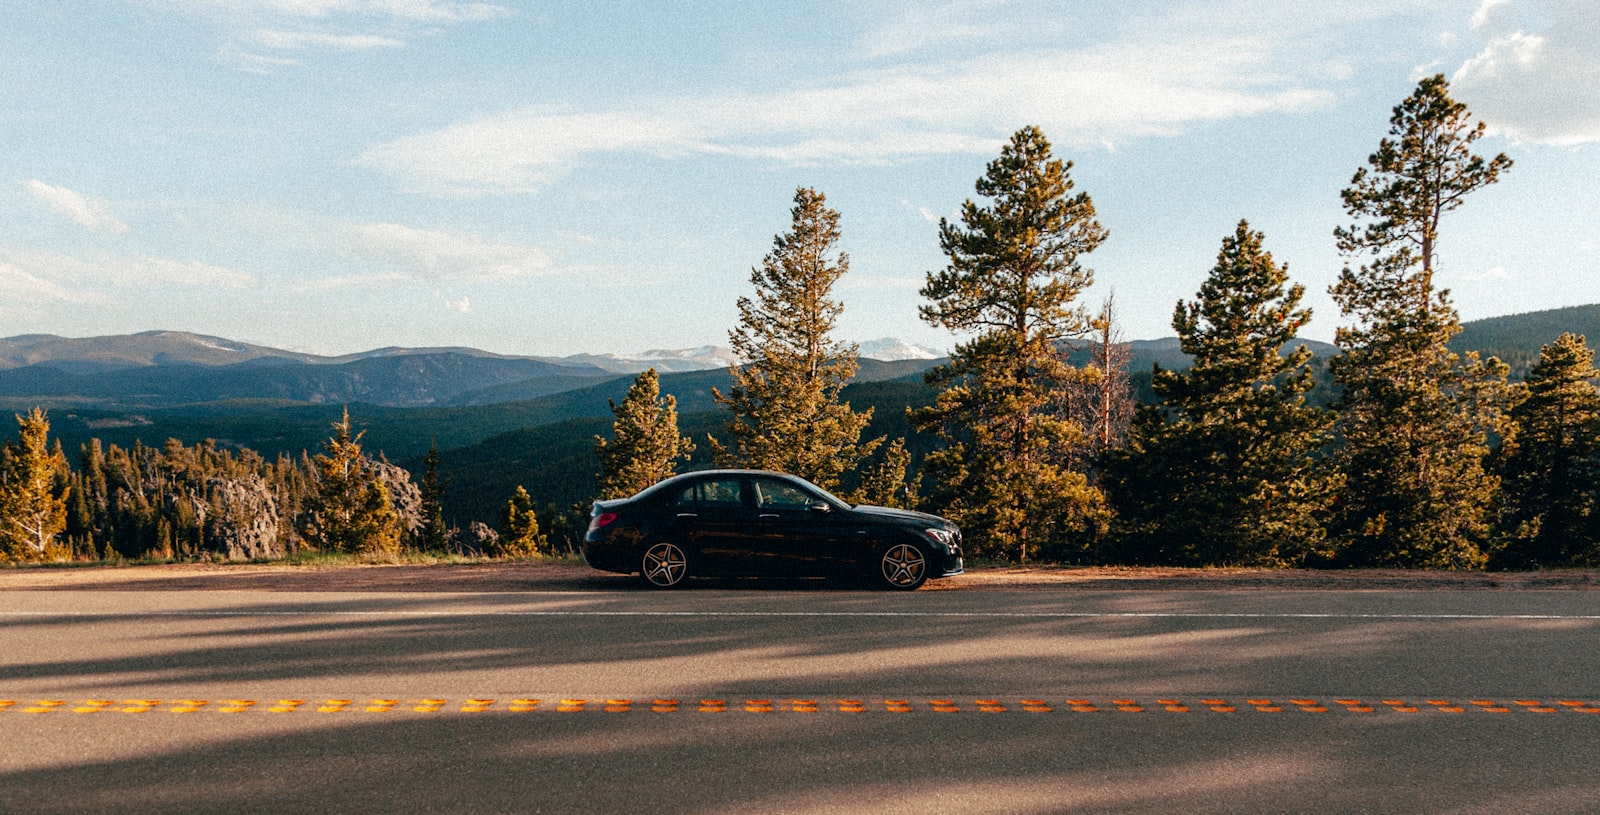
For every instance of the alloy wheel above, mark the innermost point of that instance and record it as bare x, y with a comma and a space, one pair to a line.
664, 565
904, 567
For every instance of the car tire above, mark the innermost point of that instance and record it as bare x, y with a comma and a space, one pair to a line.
663, 566
903, 567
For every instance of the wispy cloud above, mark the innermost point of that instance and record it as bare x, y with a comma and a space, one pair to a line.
437, 254
264, 35
1541, 85
101, 269
87, 212
1096, 96
19, 285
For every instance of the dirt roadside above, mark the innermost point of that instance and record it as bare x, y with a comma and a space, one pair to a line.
563, 577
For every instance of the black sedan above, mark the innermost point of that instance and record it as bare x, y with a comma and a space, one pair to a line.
752, 523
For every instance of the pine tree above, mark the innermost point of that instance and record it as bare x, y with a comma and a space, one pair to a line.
519, 528
1005, 472
888, 482
1222, 471
786, 413
435, 535
1414, 417
645, 446
351, 509
1550, 463
33, 506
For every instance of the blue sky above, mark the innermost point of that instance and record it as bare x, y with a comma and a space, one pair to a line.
562, 177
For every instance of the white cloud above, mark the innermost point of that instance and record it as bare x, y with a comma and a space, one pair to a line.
435, 254
298, 40
105, 268
1538, 86
1088, 97
19, 285
1480, 18
87, 212
462, 306
274, 26
421, 11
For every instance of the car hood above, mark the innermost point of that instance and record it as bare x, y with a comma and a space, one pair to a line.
906, 515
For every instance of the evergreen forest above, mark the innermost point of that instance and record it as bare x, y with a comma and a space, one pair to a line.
1415, 441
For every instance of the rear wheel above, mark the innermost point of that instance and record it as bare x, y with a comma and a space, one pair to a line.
663, 566
903, 567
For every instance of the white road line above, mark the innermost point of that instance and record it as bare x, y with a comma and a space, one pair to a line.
1017, 615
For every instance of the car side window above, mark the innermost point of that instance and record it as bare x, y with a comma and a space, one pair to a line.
781, 495
713, 494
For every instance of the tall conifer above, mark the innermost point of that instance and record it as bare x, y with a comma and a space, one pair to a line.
33, 506
1550, 463
1222, 472
1005, 472
352, 510
1414, 417
784, 401
645, 446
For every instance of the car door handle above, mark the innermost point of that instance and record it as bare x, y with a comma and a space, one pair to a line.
768, 515
687, 515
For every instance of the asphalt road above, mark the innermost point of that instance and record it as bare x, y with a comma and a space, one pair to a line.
800, 701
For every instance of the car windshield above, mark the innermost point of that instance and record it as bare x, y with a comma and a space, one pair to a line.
831, 498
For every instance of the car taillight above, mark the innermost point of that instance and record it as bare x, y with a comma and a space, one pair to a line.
602, 519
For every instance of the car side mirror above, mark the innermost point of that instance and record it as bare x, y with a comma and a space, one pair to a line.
821, 506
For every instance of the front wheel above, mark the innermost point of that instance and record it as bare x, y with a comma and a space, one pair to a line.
663, 566
903, 567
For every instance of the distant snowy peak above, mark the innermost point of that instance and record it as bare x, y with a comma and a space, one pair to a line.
704, 358
890, 349
708, 357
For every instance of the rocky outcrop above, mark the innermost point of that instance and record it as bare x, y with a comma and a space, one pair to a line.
238, 517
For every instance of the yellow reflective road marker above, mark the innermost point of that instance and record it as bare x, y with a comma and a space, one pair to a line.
713, 705
1173, 705
572, 705
139, 705
524, 705
93, 706
619, 705
430, 705
287, 705
944, 706
476, 705
1036, 706
989, 706
1128, 705
334, 705
897, 705
188, 706
664, 706
803, 705
381, 705
44, 706
1533, 706
758, 705
236, 705
852, 706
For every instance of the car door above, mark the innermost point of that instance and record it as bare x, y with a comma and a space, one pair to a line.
713, 520
797, 535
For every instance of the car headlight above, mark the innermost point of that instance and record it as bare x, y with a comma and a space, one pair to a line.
943, 537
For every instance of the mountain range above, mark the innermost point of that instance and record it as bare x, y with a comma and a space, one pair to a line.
501, 421
171, 368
